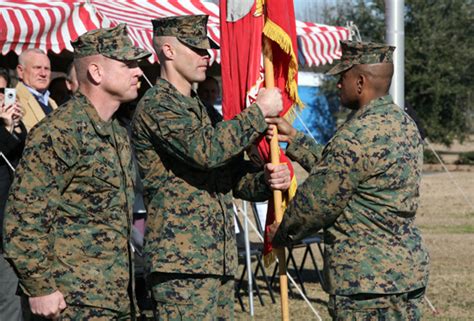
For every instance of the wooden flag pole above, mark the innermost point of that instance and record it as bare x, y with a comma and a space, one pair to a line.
277, 195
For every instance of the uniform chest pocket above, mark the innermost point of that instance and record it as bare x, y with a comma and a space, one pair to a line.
104, 174
104, 244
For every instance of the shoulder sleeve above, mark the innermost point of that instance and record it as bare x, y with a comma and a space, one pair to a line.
305, 151
325, 193
250, 182
178, 129
31, 208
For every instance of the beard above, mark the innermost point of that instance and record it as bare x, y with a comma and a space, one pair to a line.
352, 105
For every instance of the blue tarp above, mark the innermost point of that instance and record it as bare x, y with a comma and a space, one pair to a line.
316, 114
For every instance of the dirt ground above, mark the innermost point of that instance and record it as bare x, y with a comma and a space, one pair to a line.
446, 218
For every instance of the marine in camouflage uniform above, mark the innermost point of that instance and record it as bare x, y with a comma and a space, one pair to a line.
191, 168
363, 191
69, 212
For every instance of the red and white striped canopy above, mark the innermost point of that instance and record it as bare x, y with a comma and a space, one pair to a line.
138, 15
319, 44
50, 25
45, 25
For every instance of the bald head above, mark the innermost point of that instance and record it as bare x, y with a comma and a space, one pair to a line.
25, 57
379, 76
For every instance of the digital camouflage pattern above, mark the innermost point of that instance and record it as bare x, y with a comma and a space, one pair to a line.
191, 299
190, 30
363, 191
109, 42
69, 210
397, 307
76, 313
190, 171
360, 53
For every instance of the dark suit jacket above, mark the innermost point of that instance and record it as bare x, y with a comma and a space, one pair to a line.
11, 145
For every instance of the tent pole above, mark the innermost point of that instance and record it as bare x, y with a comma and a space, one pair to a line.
247, 257
395, 35
238, 209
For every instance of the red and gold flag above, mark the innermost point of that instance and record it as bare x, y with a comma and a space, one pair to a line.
242, 30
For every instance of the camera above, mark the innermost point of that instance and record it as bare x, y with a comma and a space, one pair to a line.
10, 96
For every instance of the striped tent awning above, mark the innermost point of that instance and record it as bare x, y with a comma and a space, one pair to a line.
319, 44
45, 25
138, 15
51, 25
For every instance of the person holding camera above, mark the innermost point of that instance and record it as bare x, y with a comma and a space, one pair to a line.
12, 142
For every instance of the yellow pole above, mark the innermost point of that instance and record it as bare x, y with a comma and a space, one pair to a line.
277, 195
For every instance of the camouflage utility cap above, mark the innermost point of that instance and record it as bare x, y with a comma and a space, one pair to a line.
190, 30
109, 42
360, 53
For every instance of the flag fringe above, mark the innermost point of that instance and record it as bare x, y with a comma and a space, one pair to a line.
258, 8
290, 115
274, 32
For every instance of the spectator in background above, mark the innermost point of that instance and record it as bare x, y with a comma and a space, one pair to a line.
71, 79
209, 91
59, 91
63, 88
12, 142
34, 72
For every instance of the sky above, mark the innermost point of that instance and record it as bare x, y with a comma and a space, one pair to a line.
303, 6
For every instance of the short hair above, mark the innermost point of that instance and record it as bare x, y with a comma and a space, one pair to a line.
380, 75
81, 64
5, 75
159, 41
21, 57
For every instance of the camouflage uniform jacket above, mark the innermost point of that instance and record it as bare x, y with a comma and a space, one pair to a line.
363, 190
190, 170
70, 206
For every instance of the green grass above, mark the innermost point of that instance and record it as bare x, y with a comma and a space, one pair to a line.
448, 229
